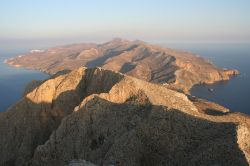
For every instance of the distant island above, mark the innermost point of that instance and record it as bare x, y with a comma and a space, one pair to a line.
176, 69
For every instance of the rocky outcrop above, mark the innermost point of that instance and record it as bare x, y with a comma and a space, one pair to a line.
135, 58
102, 117
31, 86
31, 121
231, 72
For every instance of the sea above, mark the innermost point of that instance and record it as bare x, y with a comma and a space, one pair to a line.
13, 80
233, 94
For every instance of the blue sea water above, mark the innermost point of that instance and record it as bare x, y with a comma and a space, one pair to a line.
233, 94
13, 80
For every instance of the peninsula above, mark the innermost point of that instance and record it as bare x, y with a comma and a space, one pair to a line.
176, 69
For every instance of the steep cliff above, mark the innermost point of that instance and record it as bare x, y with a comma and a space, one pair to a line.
136, 58
105, 117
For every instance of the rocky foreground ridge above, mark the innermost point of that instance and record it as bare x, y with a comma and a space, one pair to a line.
103, 117
176, 69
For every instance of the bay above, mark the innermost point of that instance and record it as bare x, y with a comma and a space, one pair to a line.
13, 80
235, 93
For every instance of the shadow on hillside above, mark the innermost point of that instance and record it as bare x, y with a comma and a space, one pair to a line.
215, 112
136, 132
109, 54
26, 124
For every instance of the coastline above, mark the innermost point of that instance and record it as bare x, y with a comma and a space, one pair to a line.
229, 72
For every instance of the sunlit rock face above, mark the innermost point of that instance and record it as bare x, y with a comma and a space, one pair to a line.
179, 69
102, 117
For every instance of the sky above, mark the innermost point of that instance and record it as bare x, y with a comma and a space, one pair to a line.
48, 22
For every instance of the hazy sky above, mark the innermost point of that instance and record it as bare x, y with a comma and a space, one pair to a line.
56, 21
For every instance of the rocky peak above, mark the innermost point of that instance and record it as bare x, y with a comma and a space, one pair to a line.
107, 118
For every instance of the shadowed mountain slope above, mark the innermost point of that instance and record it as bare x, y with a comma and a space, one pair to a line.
106, 117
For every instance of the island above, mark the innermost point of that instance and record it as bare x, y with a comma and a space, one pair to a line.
176, 69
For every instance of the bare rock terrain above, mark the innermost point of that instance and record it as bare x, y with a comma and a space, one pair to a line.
103, 117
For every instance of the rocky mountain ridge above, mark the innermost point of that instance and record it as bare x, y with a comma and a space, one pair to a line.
176, 69
108, 118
